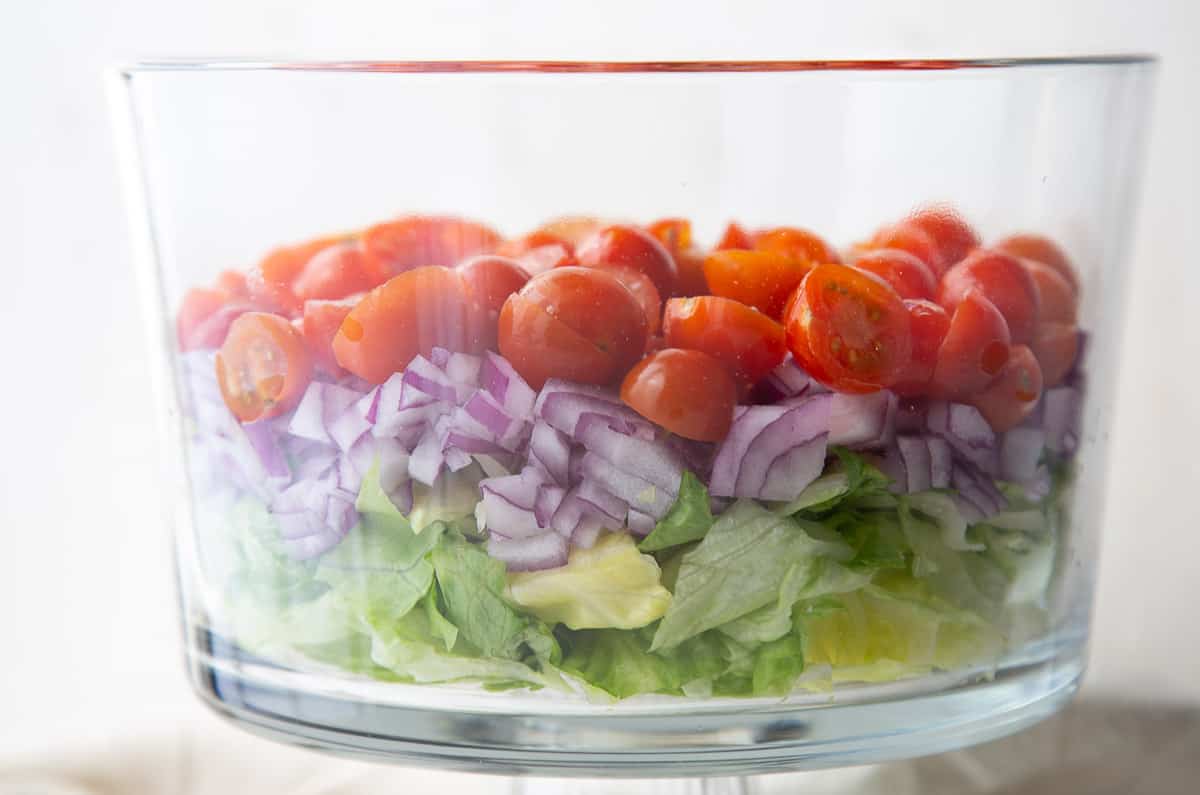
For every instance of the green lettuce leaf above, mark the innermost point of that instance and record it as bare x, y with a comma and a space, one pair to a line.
688, 520
620, 662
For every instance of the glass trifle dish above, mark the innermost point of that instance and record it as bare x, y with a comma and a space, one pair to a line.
729, 442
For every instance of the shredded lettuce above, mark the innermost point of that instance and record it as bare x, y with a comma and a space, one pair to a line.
688, 520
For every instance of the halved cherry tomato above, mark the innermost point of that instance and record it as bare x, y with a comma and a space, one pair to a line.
908, 276
233, 284
643, 290
282, 265
580, 324
1015, 392
974, 351
270, 296
263, 366
416, 241
538, 252
1056, 345
952, 235
687, 392
1040, 249
320, 325
748, 342
198, 305
928, 323
734, 237
799, 244
1056, 298
849, 328
334, 272
1000, 278
491, 279
634, 248
762, 279
409, 314
916, 241
574, 229
676, 235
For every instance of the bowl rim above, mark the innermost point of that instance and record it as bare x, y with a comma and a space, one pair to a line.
636, 67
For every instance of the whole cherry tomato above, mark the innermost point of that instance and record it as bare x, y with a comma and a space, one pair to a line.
689, 393
908, 276
634, 248
761, 279
1001, 279
748, 342
1040, 249
491, 279
263, 366
952, 235
974, 351
929, 324
1015, 392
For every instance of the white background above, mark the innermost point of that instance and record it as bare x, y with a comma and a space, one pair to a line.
89, 638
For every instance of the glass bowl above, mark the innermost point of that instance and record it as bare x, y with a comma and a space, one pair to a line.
526, 514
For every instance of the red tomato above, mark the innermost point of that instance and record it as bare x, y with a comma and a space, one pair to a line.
273, 297
580, 324
1013, 395
320, 325
1056, 297
233, 285
198, 305
928, 323
914, 240
799, 244
263, 367
282, 265
416, 241
1055, 345
674, 233
634, 248
491, 280
538, 252
573, 229
849, 329
761, 279
974, 351
734, 237
1000, 278
908, 276
643, 290
952, 235
409, 314
334, 272
689, 393
1040, 249
748, 342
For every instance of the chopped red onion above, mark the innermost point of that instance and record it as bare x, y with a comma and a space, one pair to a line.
639, 494
422, 375
748, 423
587, 531
507, 387
484, 409
892, 464
941, 462
544, 551
603, 501
968, 433
861, 420
548, 499
1020, 452
918, 466
640, 523
319, 406
563, 409
267, 450
800, 465
796, 427
552, 450
652, 461
1061, 418
426, 460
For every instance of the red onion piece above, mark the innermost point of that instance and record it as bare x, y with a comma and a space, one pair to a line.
800, 465
651, 461
498, 378
640, 523
1061, 418
861, 420
548, 500
552, 449
797, 426
1020, 452
543, 551
941, 462
639, 494
918, 466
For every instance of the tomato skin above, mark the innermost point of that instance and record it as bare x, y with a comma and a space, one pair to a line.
407, 315
734, 237
975, 349
274, 297
540, 346
1040, 249
490, 279
573, 229
198, 305
951, 234
909, 277
1056, 346
1056, 298
282, 265
643, 290
914, 240
538, 252
320, 325
745, 340
689, 393
929, 324
417, 241
849, 329
676, 235
263, 366
1001, 279
799, 244
1015, 392
334, 272
233, 284
761, 279
632, 247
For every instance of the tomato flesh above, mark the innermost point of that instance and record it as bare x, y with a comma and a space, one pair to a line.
928, 323
975, 349
689, 393
908, 276
418, 241
631, 247
761, 279
1015, 392
263, 366
1001, 279
745, 340
734, 237
1040, 249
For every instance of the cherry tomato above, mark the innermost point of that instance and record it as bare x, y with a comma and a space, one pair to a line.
334, 272
689, 393
676, 235
580, 324
1000, 278
263, 366
538, 252
573, 229
643, 290
634, 248
282, 265
1015, 392
233, 284
761, 279
491, 280
1055, 345
911, 238
416, 241
409, 314
799, 244
974, 351
849, 329
908, 276
1040, 249
952, 235
745, 340
198, 305
928, 323
734, 237
273, 297
1056, 298
320, 325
